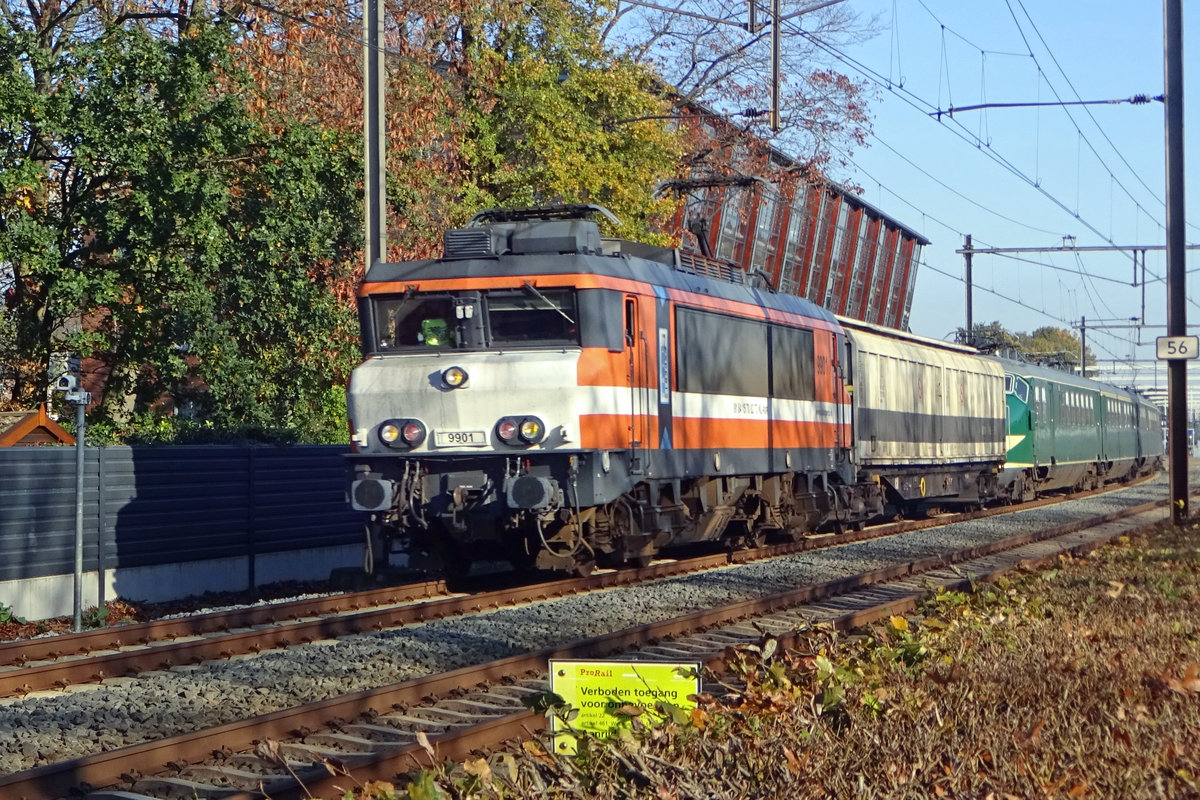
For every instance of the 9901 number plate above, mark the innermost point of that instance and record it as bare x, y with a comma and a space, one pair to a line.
459, 439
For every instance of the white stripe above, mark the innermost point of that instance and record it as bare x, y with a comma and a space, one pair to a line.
720, 406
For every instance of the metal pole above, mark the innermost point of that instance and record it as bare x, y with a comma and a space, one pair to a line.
1143, 316
79, 434
1083, 347
967, 253
373, 129
775, 54
1176, 244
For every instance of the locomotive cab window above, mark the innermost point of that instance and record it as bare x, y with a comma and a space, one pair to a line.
417, 322
1017, 386
533, 316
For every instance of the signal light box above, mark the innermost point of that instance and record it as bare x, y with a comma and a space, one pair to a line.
601, 695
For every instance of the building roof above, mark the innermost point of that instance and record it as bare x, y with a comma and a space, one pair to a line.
25, 428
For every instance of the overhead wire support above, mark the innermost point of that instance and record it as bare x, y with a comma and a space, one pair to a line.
1099, 248
1137, 100
1176, 245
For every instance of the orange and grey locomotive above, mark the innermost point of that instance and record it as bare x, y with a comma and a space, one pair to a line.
546, 396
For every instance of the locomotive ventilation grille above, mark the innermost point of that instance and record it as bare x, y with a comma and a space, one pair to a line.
710, 267
467, 242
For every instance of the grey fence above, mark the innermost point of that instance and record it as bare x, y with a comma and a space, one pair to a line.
161, 505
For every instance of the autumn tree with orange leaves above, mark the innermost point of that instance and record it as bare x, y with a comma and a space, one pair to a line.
501, 104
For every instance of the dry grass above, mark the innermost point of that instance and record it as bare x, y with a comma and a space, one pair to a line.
1080, 681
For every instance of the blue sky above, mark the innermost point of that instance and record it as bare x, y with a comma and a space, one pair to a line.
973, 174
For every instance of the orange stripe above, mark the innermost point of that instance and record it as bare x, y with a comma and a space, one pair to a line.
611, 431
702, 433
593, 281
585, 281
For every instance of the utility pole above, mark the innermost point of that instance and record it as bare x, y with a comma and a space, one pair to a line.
374, 79
775, 55
1083, 347
968, 251
1176, 250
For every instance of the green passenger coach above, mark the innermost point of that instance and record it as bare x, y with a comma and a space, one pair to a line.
1067, 432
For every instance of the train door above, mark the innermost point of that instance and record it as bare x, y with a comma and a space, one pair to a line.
843, 377
1050, 429
637, 352
1139, 431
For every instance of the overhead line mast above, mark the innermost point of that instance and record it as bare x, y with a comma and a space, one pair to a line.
1176, 252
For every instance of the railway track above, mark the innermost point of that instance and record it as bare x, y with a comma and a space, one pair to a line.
59, 662
373, 733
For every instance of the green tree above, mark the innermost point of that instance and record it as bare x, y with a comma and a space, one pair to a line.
153, 224
559, 119
275, 333
1053, 344
115, 148
1046, 345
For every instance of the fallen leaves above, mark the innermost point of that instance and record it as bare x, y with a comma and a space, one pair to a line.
1190, 684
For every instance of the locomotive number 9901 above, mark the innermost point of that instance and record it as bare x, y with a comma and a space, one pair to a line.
460, 439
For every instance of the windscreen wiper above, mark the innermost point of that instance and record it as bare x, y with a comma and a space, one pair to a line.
529, 287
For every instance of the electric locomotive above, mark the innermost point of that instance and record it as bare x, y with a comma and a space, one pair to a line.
546, 396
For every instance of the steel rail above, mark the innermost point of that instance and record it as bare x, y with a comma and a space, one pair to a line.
22, 651
140, 648
56, 780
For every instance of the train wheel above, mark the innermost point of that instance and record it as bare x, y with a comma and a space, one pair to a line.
584, 568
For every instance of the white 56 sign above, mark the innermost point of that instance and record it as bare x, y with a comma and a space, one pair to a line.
1170, 347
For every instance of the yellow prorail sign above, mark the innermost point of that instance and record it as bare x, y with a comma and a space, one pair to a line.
599, 695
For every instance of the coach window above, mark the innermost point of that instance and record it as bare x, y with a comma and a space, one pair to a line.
532, 316
716, 354
792, 364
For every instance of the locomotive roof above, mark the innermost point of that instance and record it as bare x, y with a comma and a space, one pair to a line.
657, 266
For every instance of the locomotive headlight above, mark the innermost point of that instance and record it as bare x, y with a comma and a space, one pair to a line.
389, 432
532, 430
454, 377
506, 429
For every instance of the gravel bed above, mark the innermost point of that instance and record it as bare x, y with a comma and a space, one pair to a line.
54, 727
